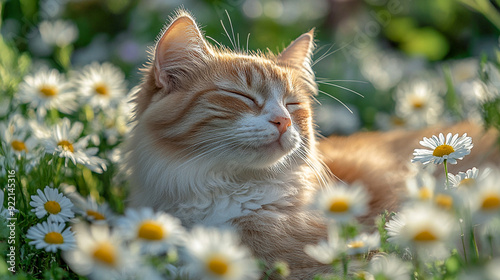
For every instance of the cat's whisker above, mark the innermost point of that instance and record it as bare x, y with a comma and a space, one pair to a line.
215, 41
212, 150
203, 144
234, 42
326, 54
227, 34
319, 79
341, 87
335, 98
317, 172
322, 170
329, 173
238, 40
321, 179
248, 40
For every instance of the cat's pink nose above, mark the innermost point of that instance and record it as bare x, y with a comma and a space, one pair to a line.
282, 123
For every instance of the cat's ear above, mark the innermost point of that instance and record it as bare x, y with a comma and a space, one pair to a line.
298, 54
180, 49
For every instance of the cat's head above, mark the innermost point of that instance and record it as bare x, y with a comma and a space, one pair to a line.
199, 102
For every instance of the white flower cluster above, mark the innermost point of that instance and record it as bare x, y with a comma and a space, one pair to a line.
432, 223
102, 86
93, 106
102, 245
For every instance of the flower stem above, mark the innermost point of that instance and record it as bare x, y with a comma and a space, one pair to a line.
345, 264
473, 242
462, 236
446, 172
416, 264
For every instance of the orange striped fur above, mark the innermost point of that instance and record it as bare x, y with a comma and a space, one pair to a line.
225, 138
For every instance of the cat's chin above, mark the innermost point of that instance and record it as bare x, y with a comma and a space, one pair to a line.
271, 154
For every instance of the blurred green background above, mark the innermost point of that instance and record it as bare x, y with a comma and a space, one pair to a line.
366, 46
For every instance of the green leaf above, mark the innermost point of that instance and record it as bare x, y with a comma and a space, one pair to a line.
426, 42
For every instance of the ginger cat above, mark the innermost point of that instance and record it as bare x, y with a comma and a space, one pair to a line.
225, 138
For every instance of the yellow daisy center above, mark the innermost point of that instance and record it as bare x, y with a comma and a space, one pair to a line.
444, 201
425, 236
54, 238
218, 265
467, 182
340, 205
18, 146
443, 150
150, 230
424, 193
105, 253
101, 89
417, 103
356, 244
398, 121
53, 207
48, 91
491, 202
66, 145
96, 215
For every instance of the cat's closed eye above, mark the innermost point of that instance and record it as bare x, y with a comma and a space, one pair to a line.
293, 103
242, 95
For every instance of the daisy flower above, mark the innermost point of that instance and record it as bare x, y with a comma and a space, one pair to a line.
17, 142
383, 69
485, 200
441, 149
114, 123
15, 136
343, 203
216, 254
51, 236
99, 253
467, 180
327, 251
58, 33
389, 267
424, 228
153, 233
89, 208
64, 143
419, 103
363, 243
422, 188
52, 202
45, 90
101, 85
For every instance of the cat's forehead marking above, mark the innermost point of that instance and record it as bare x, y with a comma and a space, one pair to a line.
263, 79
